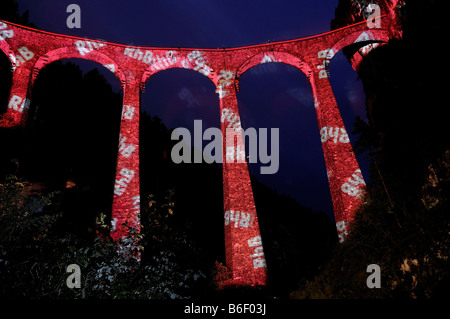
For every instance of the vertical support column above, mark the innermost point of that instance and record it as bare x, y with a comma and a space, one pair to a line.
18, 103
243, 244
126, 201
344, 175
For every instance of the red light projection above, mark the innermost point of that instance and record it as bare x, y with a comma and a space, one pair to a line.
30, 50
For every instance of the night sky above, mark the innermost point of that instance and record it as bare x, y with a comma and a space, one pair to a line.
272, 95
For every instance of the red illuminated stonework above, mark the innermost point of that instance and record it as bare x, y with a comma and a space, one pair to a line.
30, 50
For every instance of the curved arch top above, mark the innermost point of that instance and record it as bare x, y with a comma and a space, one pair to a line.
368, 36
366, 41
195, 60
71, 53
270, 57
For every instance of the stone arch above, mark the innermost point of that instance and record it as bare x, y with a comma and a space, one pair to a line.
363, 37
273, 56
185, 88
71, 53
180, 59
179, 97
86, 118
148, 74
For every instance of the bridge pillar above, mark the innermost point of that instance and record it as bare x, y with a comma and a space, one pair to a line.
18, 103
344, 175
126, 200
243, 245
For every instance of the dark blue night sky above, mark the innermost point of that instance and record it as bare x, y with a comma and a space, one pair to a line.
271, 95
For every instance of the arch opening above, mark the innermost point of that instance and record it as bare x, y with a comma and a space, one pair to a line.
293, 204
358, 44
71, 140
270, 57
175, 98
71, 53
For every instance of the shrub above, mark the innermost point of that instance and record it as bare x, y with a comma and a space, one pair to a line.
34, 257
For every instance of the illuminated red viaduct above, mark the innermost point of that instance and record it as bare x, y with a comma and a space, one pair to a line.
30, 50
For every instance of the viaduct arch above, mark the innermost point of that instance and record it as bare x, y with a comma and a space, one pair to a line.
29, 50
